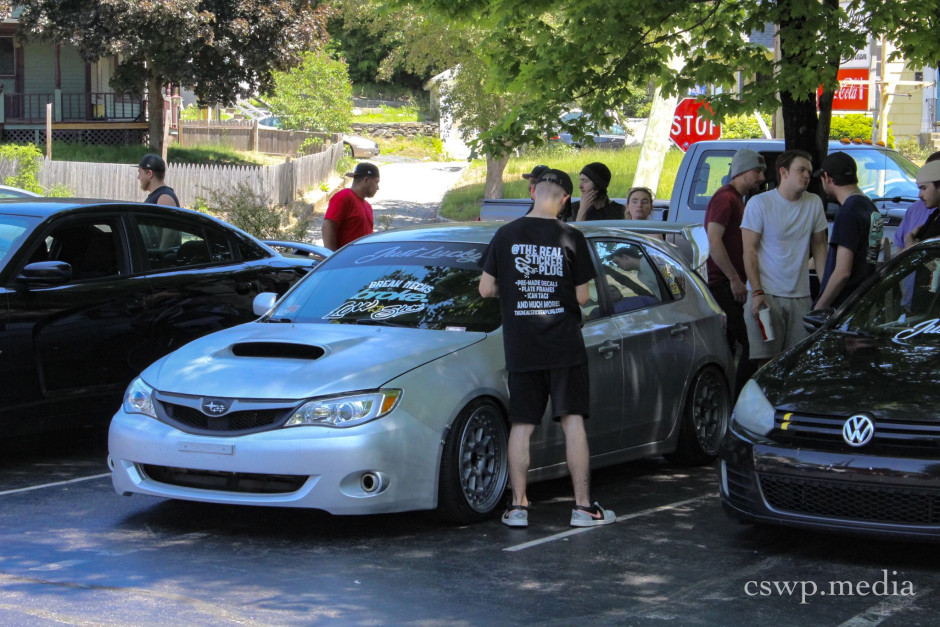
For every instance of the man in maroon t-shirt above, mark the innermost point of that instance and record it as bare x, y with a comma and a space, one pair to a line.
726, 276
349, 216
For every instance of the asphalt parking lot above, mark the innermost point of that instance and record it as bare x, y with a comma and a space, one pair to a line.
73, 552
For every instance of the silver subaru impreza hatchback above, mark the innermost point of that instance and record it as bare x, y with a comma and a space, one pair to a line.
378, 383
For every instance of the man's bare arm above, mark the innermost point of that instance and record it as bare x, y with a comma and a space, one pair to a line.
329, 234
488, 287
751, 241
839, 277
719, 254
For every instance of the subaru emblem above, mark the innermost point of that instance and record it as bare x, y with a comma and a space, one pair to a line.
215, 406
858, 430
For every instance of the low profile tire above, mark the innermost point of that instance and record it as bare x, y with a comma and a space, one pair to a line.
474, 464
704, 419
348, 151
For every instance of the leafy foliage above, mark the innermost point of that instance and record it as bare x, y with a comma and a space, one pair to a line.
314, 95
854, 126
222, 49
742, 126
26, 160
251, 212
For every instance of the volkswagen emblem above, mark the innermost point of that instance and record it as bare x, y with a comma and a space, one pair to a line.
858, 430
215, 406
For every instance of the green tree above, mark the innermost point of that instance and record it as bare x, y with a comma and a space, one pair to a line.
592, 52
222, 49
315, 95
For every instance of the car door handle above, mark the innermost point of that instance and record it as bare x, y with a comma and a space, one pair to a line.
679, 329
608, 348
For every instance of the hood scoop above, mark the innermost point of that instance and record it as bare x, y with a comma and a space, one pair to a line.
279, 350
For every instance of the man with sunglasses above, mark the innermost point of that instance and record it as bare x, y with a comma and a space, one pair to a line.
539, 268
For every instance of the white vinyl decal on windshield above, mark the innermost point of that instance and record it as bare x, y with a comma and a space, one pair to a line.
423, 252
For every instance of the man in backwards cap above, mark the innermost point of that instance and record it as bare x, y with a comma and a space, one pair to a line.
150, 173
539, 268
928, 182
856, 231
349, 216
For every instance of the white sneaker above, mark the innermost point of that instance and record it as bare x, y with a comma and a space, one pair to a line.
591, 516
516, 516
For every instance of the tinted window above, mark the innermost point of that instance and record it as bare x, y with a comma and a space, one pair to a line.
91, 247
904, 306
882, 174
176, 244
7, 58
422, 285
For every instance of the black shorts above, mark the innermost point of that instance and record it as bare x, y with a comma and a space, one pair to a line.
529, 392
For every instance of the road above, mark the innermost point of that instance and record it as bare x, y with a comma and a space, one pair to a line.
410, 193
73, 552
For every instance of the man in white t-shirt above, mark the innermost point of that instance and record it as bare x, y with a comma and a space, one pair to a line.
780, 230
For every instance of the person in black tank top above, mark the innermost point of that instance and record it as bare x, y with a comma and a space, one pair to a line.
150, 173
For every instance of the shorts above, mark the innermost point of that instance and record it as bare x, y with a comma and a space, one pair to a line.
787, 317
569, 389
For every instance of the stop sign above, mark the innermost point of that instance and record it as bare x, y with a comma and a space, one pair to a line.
689, 127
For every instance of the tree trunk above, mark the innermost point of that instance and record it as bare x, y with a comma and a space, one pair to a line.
494, 176
155, 113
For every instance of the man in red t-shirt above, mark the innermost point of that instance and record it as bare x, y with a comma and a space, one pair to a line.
726, 276
349, 216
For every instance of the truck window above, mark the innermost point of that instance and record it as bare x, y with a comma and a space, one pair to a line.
711, 173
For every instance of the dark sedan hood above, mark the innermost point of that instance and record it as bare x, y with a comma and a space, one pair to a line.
838, 374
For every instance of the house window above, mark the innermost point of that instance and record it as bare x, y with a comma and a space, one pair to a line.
7, 65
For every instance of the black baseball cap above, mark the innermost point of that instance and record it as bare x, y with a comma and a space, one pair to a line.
536, 172
558, 178
364, 169
152, 162
838, 165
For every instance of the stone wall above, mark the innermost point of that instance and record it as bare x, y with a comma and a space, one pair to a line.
398, 129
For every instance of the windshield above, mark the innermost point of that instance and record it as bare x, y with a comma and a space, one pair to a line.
884, 174
904, 306
420, 285
13, 230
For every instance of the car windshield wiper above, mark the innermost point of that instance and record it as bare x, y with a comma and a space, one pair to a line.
269, 319
381, 323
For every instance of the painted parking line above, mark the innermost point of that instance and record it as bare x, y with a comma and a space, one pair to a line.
54, 484
645, 512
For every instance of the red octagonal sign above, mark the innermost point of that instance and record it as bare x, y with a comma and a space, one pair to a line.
689, 127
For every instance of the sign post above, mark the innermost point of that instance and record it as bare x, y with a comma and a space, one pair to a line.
688, 126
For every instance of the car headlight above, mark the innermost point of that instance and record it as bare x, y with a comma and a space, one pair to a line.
138, 399
345, 411
753, 411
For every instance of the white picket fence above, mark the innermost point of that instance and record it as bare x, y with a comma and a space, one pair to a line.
281, 183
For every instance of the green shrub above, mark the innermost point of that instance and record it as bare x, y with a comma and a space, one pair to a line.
251, 212
24, 161
910, 147
854, 126
743, 126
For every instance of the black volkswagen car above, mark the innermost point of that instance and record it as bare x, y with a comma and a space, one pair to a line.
92, 292
842, 432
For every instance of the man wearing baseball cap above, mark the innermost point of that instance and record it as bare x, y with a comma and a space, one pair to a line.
150, 174
856, 232
539, 268
928, 182
533, 178
349, 216
727, 279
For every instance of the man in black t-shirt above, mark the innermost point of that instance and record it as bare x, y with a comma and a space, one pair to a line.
539, 268
856, 232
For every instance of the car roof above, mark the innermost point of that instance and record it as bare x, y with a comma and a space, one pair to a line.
45, 207
482, 232
778, 144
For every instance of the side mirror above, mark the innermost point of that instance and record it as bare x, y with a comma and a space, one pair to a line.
46, 272
816, 318
263, 303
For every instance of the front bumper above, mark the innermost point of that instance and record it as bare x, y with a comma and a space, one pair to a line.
387, 465
766, 482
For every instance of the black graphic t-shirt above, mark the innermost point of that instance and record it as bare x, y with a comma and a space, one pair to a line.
537, 264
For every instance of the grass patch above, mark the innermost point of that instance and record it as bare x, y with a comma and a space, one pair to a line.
219, 155
424, 148
463, 201
390, 115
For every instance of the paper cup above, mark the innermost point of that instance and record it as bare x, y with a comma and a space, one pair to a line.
766, 325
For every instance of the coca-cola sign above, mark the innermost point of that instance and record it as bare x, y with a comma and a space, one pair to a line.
852, 94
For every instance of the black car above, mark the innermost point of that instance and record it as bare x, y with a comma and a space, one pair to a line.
92, 292
842, 432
